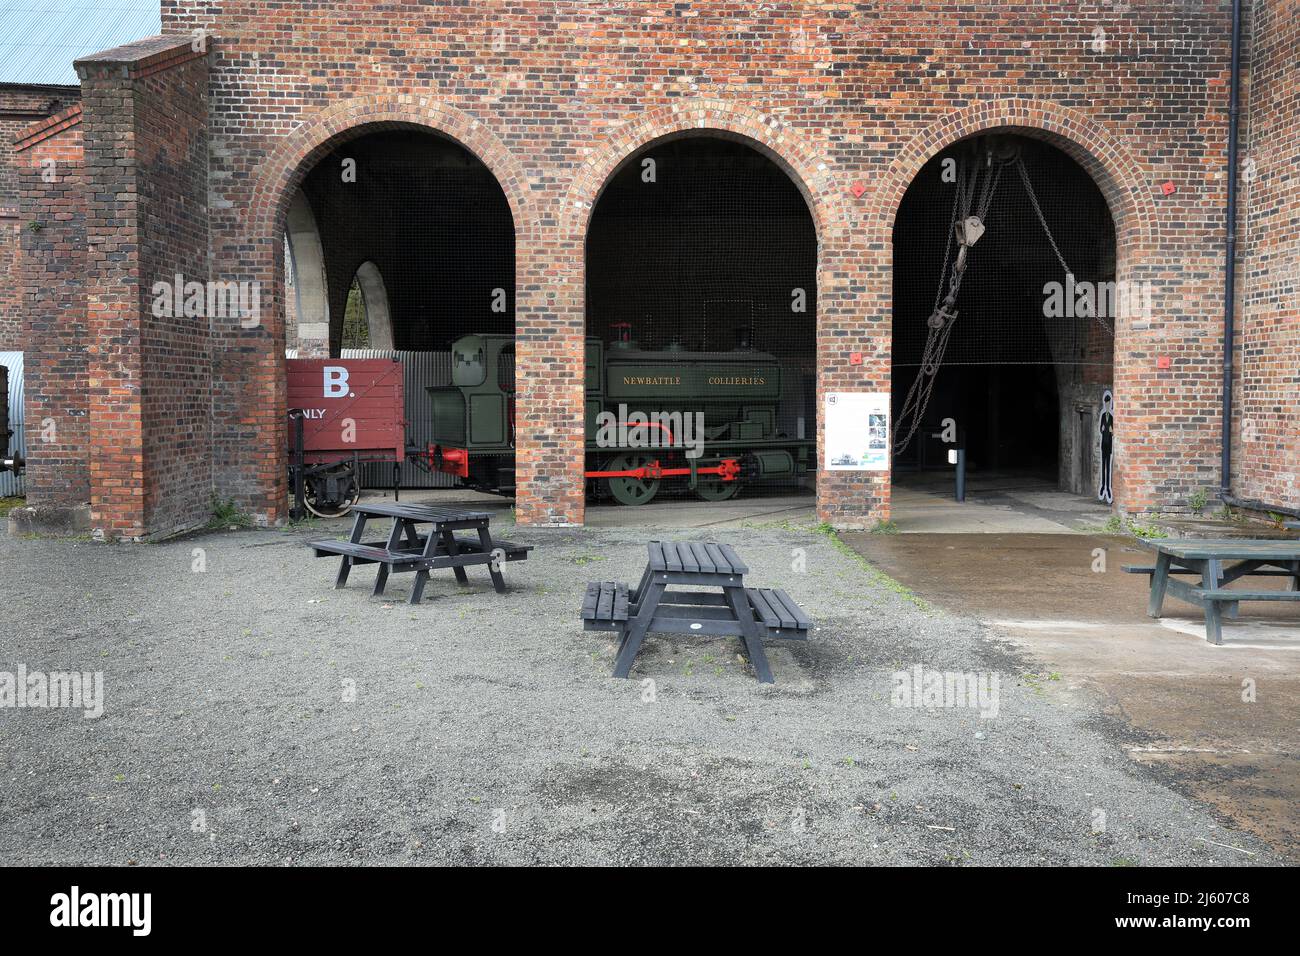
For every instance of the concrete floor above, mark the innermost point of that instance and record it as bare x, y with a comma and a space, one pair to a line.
666, 511
1177, 699
922, 504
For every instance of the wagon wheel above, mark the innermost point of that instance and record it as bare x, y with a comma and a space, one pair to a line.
324, 506
715, 489
631, 491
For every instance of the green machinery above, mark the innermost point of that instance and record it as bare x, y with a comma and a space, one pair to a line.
708, 418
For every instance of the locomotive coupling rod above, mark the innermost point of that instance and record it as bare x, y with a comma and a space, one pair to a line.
727, 470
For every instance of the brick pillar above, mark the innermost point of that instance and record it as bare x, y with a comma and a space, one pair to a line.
145, 140
54, 332
550, 336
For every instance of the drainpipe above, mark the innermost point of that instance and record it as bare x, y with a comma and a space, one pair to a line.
1230, 258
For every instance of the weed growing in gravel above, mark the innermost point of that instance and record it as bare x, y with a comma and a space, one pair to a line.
877, 576
225, 514
1117, 525
1144, 530
9, 504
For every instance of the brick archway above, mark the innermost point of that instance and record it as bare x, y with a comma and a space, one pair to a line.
296, 154
770, 135
1129, 194
810, 169
262, 371
1126, 188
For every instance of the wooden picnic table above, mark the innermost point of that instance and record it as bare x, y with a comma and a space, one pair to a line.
731, 611
407, 549
1209, 560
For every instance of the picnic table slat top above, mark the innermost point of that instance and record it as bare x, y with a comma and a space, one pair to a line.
702, 557
695, 557
420, 512
1228, 548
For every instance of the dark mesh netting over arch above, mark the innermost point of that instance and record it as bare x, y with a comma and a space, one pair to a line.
710, 246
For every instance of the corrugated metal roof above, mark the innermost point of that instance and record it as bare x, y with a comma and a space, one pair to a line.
39, 39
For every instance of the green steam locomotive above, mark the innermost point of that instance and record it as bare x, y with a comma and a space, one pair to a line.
706, 418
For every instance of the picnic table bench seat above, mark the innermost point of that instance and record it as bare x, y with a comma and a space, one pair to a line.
511, 550
1151, 569
407, 549
605, 606
778, 613
373, 553
1236, 594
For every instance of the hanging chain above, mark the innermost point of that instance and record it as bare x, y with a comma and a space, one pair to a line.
1033, 201
944, 314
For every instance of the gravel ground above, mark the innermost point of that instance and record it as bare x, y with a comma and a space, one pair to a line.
487, 729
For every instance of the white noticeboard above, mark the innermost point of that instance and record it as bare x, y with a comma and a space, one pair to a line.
857, 431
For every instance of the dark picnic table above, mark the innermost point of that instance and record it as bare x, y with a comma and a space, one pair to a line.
408, 549
1216, 563
731, 611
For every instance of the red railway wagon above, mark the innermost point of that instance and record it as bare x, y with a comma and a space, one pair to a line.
351, 411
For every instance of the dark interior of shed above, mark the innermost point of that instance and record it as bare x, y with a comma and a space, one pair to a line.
707, 244
433, 219
1007, 364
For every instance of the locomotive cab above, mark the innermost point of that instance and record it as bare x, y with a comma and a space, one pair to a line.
474, 416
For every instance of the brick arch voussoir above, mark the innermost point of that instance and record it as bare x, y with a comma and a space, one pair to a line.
811, 171
1120, 177
295, 154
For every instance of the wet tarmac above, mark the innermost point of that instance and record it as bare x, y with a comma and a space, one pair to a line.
1218, 723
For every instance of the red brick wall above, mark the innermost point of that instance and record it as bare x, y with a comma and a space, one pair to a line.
145, 155
11, 296
171, 146
552, 96
54, 336
20, 107
1267, 433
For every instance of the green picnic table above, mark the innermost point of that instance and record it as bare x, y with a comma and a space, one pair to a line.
1217, 562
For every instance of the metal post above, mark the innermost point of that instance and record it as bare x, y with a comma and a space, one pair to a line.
299, 510
957, 456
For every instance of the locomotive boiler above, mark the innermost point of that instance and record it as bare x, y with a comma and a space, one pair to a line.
707, 419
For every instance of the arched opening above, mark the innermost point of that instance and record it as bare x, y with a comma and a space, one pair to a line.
429, 217
416, 241
367, 323
701, 272
307, 308
1014, 367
